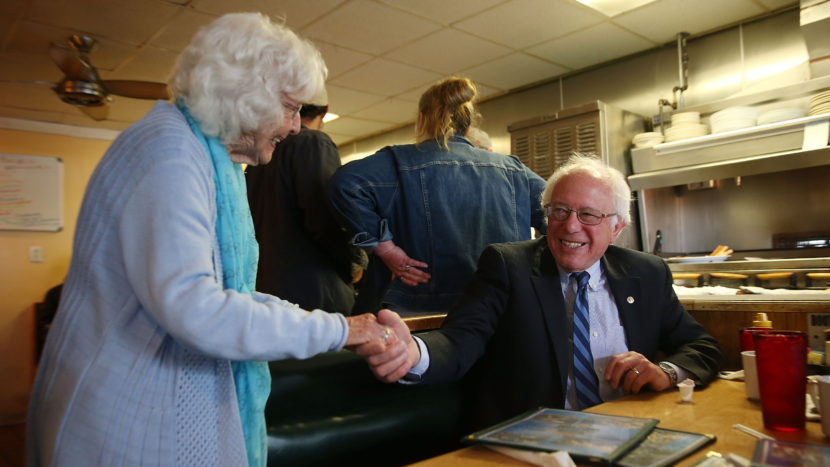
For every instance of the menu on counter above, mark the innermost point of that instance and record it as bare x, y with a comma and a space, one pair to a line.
585, 436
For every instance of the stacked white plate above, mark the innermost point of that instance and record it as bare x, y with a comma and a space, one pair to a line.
820, 103
685, 118
685, 125
780, 115
733, 118
647, 140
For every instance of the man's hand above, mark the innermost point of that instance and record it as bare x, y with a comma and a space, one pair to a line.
401, 264
634, 371
391, 362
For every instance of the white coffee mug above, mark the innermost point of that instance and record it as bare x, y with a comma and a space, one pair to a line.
750, 375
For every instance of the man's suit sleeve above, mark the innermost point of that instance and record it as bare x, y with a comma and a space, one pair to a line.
468, 327
687, 343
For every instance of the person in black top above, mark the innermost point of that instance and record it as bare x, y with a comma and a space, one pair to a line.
304, 257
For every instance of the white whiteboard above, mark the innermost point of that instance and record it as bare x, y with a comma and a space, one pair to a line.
31, 193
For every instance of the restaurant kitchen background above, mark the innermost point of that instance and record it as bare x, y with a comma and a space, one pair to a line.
752, 60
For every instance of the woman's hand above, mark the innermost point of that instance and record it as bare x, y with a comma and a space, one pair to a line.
365, 328
401, 264
392, 360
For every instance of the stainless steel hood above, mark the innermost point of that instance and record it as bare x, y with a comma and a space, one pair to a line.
763, 149
739, 153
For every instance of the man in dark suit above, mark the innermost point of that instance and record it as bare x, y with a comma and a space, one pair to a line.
512, 336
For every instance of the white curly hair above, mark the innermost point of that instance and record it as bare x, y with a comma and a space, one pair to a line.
234, 73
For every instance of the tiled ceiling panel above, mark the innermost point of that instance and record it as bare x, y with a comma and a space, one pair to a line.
381, 54
385, 77
587, 47
661, 21
448, 51
513, 71
369, 27
523, 23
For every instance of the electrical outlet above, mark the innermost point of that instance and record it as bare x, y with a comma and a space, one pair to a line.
36, 254
816, 324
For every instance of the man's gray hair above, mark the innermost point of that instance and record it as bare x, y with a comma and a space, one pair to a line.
591, 165
234, 73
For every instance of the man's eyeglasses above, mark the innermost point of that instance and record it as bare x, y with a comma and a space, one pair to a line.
294, 110
587, 216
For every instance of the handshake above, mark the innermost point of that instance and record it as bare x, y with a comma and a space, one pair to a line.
384, 341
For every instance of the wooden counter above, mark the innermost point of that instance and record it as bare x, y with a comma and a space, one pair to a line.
724, 316
713, 410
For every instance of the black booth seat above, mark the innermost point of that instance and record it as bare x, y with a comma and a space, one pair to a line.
330, 410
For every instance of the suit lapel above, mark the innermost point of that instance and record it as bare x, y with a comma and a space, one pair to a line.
545, 280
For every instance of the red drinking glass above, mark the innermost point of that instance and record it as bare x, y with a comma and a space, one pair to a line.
781, 360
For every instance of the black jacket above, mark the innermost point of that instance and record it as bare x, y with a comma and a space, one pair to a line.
304, 256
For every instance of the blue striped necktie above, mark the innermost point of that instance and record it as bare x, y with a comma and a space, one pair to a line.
587, 388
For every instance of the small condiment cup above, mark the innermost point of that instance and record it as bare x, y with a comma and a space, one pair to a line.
687, 389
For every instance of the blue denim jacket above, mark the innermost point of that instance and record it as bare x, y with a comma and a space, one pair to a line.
441, 207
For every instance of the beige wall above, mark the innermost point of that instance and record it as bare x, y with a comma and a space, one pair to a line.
23, 283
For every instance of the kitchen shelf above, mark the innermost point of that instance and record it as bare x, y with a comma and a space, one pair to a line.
762, 149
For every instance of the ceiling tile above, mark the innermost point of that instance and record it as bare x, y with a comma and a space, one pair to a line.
443, 11
33, 96
296, 13
513, 71
590, 46
355, 126
485, 92
385, 77
390, 110
338, 138
661, 21
345, 101
522, 23
340, 60
368, 27
12, 9
124, 109
148, 65
130, 21
458, 50
178, 34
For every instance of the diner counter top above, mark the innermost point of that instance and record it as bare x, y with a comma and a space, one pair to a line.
803, 303
713, 410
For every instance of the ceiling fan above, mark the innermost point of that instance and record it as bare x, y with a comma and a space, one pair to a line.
83, 87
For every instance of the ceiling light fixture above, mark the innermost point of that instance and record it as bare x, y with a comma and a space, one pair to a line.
611, 8
329, 117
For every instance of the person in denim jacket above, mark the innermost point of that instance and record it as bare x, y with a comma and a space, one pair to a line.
427, 210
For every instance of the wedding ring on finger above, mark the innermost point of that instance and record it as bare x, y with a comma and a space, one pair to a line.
408, 267
636, 371
387, 333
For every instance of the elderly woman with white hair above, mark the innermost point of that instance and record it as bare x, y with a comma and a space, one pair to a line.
157, 352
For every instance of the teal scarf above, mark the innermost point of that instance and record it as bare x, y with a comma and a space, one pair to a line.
240, 253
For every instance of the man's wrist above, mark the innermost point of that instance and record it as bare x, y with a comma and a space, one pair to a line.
670, 372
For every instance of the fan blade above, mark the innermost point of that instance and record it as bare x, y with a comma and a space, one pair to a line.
73, 65
137, 89
96, 112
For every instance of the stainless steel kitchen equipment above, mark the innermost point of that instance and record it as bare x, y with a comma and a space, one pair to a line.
743, 188
543, 143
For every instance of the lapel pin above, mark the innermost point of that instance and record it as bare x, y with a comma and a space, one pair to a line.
630, 300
